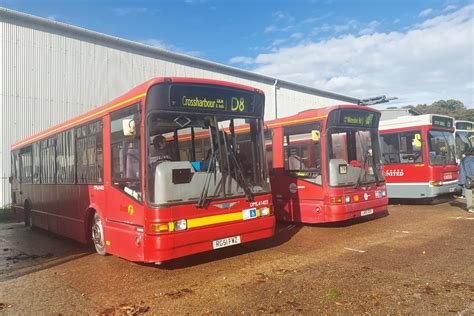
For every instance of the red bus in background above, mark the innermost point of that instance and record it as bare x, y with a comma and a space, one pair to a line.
102, 178
325, 164
419, 156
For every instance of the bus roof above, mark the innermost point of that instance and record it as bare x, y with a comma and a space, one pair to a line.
412, 121
314, 114
122, 101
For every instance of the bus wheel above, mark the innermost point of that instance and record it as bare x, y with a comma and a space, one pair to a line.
98, 235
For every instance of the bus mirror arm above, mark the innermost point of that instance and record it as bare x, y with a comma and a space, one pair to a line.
10, 179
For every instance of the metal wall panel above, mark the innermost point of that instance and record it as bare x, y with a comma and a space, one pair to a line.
50, 74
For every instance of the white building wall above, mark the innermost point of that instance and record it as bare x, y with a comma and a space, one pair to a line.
50, 73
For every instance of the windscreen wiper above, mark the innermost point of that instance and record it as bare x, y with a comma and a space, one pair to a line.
240, 178
211, 170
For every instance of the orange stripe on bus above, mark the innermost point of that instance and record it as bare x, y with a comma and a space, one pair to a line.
297, 121
63, 127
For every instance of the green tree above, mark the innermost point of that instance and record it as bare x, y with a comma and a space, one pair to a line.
453, 108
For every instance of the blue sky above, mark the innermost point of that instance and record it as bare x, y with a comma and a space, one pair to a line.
361, 48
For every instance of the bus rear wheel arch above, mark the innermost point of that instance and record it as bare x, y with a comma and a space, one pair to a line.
96, 232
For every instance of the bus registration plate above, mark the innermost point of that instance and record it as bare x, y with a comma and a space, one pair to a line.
367, 212
226, 242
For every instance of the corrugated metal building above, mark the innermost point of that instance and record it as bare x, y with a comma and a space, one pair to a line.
51, 72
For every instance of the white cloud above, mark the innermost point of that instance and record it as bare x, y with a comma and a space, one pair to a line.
127, 11
283, 16
450, 7
432, 60
425, 13
241, 60
170, 47
297, 35
370, 28
270, 28
396, 21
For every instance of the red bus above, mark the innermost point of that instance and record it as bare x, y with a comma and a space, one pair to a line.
325, 165
118, 176
419, 156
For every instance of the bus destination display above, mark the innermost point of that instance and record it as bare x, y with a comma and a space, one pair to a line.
464, 126
357, 118
444, 122
211, 98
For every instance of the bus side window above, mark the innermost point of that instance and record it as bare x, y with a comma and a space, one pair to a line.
89, 153
125, 151
390, 148
269, 149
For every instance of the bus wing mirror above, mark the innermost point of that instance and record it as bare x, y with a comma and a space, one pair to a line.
315, 135
129, 127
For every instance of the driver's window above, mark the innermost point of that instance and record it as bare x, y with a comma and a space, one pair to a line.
125, 151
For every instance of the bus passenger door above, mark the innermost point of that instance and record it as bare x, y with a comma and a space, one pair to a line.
124, 219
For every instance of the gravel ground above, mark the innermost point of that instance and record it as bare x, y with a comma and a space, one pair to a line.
418, 259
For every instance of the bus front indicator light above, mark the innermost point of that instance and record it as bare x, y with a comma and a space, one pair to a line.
335, 199
356, 198
160, 228
436, 183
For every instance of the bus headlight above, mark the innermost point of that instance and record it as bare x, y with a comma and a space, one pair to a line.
180, 224
347, 199
264, 211
384, 193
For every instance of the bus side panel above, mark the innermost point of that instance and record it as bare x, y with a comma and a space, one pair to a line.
407, 180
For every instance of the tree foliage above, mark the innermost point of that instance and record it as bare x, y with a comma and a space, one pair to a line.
453, 108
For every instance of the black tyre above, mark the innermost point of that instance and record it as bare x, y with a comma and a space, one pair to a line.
97, 235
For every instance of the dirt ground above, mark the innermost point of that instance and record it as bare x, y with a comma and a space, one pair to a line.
418, 259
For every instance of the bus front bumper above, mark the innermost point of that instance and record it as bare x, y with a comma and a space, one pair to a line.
420, 190
159, 248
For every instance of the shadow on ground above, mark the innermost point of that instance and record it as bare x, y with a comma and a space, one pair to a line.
24, 250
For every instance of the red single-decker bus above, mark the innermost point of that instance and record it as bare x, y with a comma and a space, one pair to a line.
419, 156
325, 165
118, 176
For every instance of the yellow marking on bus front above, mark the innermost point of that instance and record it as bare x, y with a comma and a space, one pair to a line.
64, 127
420, 165
215, 219
130, 209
